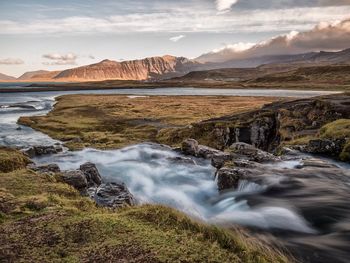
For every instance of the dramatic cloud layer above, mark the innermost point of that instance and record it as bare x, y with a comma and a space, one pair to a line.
58, 59
11, 61
181, 20
177, 38
325, 36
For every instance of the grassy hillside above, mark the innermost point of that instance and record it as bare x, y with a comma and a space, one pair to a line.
43, 220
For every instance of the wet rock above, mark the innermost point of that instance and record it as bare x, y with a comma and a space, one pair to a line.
244, 163
19, 128
181, 160
325, 146
228, 178
219, 160
261, 130
252, 153
43, 150
91, 173
47, 168
113, 195
75, 178
208, 153
316, 163
190, 147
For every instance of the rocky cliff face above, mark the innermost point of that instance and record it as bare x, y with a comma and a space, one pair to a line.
148, 68
268, 127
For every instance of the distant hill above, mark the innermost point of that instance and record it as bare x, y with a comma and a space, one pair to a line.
148, 68
34, 74
322, 57
6, 77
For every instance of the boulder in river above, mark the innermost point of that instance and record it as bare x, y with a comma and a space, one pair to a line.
228, 178
251, 153
43, 150
91, 173
190, 147
182, 160
113, 195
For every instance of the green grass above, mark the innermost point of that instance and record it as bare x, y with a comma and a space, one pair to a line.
44, 220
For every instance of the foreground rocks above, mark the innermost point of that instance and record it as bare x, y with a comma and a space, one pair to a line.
88, 181
91, 174
113, 195
229, 177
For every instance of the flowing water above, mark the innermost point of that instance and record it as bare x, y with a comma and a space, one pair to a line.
308, 210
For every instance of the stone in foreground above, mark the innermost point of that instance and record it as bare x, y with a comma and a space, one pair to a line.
91, 173
75, 178
228, 178
113, 195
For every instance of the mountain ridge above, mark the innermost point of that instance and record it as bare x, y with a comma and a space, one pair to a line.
6, 77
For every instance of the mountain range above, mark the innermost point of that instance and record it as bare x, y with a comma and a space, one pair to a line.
165, 67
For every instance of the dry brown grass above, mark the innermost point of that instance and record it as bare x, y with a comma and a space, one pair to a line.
114, 121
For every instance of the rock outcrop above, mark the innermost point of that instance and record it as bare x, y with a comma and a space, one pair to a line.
75, 178
113, 195
192, 147
325, 146
251, 153
43, 150
88, 181
268, 127
91, 173
228, 178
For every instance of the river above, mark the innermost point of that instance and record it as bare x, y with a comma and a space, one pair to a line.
306, 210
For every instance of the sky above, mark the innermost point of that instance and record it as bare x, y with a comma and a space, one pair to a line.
55, 35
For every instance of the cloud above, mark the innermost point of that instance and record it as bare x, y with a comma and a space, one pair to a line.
325, 36
223, 5
91, 57
177, 38
59, 59
11, 61
182, 20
